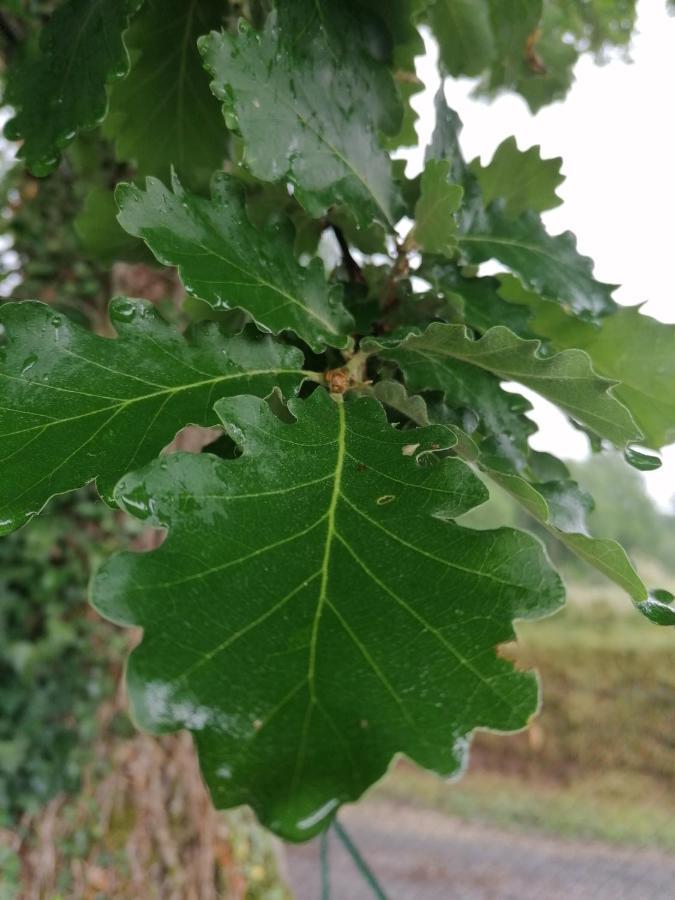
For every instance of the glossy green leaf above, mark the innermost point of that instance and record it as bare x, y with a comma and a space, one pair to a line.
478, 299
163, 113
435, 228
636, 350
550, 265
567, 378
78, 407
223, 259
263, 610
59, 88
521, 178
309, 98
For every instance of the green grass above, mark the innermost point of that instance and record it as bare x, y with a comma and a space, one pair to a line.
608, 807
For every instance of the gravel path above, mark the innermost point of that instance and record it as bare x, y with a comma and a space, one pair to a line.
424, 855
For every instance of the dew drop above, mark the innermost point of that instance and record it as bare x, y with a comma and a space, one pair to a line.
123, 311
137, 502
645, 462
316, 818
658, 608
28, 363
7, 525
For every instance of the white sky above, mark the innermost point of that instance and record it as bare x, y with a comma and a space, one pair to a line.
616, 136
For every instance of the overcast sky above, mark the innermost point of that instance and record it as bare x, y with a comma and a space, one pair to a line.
616, 135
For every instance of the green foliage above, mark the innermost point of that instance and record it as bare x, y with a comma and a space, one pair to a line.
59, 87
340, 507
224, 259
315, 608
435, 228
54, 658
303, 115
522, 179
161, 115
109, 420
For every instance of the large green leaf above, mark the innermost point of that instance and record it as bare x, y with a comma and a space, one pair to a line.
567, 378
163, 113
309, 99
314, 610
520, 177
78, 407
636, 350
59, 88
223, 259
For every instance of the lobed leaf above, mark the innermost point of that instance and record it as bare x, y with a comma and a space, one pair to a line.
636, 350
550, 265
162, 115
521, 178
562, 507
309, 98
435, 228
264, 608
78, 407
225, 260
567, 378
60, 88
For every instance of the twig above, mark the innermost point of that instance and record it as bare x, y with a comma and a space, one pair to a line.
353, 268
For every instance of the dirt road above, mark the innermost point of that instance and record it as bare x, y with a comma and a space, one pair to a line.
424, 855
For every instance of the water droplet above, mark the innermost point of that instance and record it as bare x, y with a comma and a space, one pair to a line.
28, 363
43, 166
645, 462
658, 608
387, 498
122, 310
137, 502
315, 819
11, 524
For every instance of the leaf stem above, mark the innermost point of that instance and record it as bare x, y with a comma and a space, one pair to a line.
360, 863
325, 865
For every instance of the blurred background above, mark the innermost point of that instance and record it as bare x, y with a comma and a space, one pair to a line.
581, 805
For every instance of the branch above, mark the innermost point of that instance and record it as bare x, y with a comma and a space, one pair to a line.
353, 268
